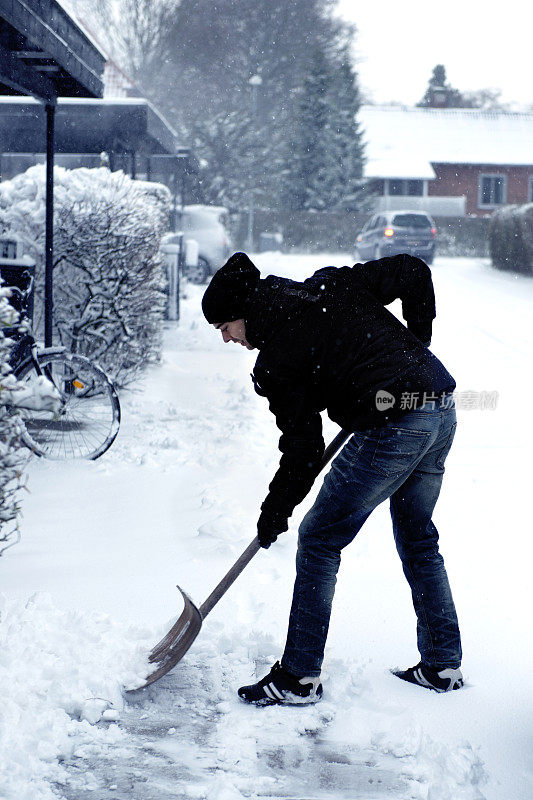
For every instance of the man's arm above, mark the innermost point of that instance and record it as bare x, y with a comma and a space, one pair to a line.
407, 278
301, 444
401, 277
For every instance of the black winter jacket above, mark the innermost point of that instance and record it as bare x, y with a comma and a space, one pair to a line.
330, 344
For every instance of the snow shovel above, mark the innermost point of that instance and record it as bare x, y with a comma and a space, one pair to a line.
180, 637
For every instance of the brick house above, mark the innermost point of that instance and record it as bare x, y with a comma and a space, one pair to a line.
449, 162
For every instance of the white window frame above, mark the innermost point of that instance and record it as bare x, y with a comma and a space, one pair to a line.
499, 175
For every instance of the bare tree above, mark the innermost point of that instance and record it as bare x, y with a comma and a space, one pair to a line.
195, 59
137, 34
485, 100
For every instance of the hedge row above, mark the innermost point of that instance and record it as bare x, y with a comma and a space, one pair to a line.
109, 279
324, 231
511, 238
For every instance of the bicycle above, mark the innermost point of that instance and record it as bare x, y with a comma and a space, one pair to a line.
77, 413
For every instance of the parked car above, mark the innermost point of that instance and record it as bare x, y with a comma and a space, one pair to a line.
392, 232
208, 226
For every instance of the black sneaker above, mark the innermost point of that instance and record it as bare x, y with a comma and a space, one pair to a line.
280, 687
443, 680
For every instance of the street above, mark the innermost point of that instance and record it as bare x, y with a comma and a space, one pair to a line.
176, 499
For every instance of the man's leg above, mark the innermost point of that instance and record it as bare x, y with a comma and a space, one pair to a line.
331, 524
369, 469
416, 538
317, 562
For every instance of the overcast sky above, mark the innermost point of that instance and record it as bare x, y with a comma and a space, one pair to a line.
482, 45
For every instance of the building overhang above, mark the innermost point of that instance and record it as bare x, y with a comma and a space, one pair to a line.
44, 53
87, 126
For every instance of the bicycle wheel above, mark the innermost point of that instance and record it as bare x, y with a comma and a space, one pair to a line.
88, 419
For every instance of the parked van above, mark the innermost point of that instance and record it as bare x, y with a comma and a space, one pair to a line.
208, 225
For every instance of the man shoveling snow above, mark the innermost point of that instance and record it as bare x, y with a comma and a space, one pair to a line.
330, 344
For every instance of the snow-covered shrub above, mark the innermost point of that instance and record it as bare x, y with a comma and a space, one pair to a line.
108, 273
12, 453
511, 238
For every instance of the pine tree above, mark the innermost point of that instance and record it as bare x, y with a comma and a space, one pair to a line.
325, 160
345, 147
308, 158
440, 94
235, 158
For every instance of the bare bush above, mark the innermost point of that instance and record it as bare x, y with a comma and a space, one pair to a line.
12, 454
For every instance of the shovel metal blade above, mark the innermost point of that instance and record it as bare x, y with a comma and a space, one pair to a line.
171, 649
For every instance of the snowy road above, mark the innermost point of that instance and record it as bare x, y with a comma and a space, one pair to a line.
175, 501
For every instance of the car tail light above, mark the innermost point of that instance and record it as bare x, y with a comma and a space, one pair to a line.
433, 231
359, 238
388, 232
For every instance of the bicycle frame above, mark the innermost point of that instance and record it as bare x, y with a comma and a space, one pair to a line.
37, 352
76, 416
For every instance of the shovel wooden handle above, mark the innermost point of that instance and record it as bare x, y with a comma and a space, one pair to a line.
254, 545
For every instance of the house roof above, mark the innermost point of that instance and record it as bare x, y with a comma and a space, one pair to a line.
403, 142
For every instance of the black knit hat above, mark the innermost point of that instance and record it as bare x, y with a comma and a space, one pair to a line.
225, 298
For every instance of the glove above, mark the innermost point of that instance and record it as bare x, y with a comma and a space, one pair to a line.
269, 527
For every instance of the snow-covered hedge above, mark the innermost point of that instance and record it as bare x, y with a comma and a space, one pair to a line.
108, 273
511, 238
12, 454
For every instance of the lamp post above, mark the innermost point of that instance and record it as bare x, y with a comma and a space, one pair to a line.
49, 226
255, 81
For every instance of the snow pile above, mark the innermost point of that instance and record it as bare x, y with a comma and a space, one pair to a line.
40, 395
60, 673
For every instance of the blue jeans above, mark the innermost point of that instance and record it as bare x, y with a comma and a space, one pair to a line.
403, 461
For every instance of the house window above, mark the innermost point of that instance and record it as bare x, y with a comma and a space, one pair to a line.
492, 190
415, 188
530, 190
405, 188
395, 188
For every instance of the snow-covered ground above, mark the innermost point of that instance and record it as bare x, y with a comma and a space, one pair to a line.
92, 586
